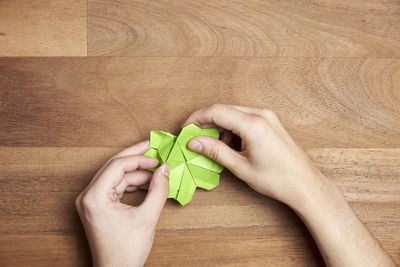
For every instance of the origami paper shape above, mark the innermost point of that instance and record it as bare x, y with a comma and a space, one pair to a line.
188, 169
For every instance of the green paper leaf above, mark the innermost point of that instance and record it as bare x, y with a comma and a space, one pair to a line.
188, 169
156, 138
207, 163
153, 153
165, 147
204, 178
176, 154
188, 186
176, 169
182, 141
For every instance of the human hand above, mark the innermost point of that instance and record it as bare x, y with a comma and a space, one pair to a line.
269, 160
119, 234
274, 165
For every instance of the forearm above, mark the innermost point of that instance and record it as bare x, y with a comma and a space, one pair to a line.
274, 165
341, 237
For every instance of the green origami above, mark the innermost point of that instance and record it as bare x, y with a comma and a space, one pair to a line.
188, 169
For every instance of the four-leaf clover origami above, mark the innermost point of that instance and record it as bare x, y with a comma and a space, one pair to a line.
188, 169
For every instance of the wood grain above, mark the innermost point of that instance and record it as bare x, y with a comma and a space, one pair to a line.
114, 101
230, 225
329, 69
43, 250
43, 28
327, 28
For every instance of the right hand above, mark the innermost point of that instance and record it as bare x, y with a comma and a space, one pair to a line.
274, 165
269, 160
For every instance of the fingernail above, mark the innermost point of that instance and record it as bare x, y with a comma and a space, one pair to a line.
165, 169
196, 146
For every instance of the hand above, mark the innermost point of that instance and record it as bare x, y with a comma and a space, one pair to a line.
269, 160
274, 165
119, 234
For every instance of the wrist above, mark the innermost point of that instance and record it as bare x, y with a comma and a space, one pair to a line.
317, 190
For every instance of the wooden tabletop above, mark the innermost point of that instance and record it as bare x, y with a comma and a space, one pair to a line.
81, 80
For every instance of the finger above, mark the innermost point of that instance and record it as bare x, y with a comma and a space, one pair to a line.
114, 172
130, 189
220, 115
133, 180
247, 109
157, 194
265, 113
217, 150
137, 149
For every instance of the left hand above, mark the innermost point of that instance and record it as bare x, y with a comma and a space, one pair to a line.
119, 234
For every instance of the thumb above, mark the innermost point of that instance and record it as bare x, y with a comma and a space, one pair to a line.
217, 150
157, 193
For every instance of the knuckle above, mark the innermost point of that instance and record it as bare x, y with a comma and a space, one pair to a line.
214, 153
268, 114
256, 119
161, 186
88, 203
78, 203
214, 107
258, 124
165, 186
115, 162
163, 190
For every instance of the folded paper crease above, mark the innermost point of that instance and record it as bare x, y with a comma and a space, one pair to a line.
188, 169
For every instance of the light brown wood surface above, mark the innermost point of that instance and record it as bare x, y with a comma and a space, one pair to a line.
43, 28
114, 101
327, 28
229, 225
329, 69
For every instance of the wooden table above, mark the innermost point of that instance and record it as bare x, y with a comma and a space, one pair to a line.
81, 80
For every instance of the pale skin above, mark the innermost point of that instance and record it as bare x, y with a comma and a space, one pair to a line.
269, 161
